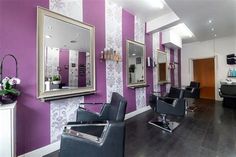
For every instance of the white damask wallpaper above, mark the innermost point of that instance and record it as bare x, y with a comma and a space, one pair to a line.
114, 73
155, 46
52, 61
176, 71
139, 36
70, 8
63, 111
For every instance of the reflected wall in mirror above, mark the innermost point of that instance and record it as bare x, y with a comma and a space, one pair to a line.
162, 67
65, 56
136, 63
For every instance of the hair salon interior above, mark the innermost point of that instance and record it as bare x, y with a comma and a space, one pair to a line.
115, 78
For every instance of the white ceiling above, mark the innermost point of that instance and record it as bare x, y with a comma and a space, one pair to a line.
194, 13
143, 9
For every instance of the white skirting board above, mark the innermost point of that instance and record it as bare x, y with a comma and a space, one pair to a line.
55, 146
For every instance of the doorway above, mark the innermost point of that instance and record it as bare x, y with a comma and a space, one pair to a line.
204, 72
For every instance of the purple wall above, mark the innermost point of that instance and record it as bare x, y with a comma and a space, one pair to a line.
162, 48
179, 67
81, 62
18, 36
94, 13
127, 33
148, 42
172, 71
63, 63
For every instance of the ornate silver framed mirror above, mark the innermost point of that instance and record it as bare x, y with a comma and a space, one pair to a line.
135, 64
65, 56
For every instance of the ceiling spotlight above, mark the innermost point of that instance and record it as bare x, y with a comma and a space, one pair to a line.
73, 41
215, 35
48, 36
212, 29
210, 21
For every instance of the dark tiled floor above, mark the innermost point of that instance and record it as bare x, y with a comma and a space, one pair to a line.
209, 132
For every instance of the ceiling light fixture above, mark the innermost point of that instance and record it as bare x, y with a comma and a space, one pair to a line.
182, 30
133, 54
215, 35
212, 29
210, 21
156, 3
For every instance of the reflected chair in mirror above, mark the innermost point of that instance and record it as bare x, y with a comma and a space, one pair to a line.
192, 92
113, 111
109, 144
173, 104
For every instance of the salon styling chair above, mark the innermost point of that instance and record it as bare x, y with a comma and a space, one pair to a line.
228, 93
171, 104
113, 111
192, 92
109, 144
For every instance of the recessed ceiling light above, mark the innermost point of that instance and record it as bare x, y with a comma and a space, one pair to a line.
210, 21
73, 41
133, 54
156, 3
212, 29
215, 35
48, 36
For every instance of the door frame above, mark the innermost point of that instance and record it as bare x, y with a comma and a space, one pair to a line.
191, 73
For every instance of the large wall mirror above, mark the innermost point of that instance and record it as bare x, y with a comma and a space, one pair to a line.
136, 64
65, 56
162, 67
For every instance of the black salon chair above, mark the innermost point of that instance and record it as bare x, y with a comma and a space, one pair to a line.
113, 111
172, 104
192, 92
109, 144
228, 93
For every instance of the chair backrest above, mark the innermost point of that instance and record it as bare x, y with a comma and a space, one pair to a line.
195, 84
153, 101
176, 93
229, 90
117, 108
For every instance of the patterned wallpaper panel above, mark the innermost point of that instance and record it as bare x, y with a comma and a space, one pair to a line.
114, 72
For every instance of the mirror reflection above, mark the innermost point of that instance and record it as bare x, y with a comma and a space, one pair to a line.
162, 66
136, 63
65, 56
67, 59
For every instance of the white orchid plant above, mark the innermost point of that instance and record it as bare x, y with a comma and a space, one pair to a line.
7, 86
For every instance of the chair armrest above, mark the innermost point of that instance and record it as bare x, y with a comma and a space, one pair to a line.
79, 124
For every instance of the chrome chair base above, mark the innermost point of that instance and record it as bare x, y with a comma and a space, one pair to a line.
167, 126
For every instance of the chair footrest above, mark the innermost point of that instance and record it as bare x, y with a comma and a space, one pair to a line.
169, 126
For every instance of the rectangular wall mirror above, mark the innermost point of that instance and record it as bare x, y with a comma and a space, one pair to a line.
65, 56
162, 67
136, 64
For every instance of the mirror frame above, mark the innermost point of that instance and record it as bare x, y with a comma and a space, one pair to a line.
58, 94
158, 72
135, 85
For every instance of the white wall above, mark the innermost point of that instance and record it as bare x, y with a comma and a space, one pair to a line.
218, 47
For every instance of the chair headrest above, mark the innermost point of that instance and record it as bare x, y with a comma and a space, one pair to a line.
195, 84
176, 93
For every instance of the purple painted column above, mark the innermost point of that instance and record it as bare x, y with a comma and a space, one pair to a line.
148, 43
18, 36
94, 13
64, 66
172, 71
82, 75
127, 33
179, 67
162, 48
